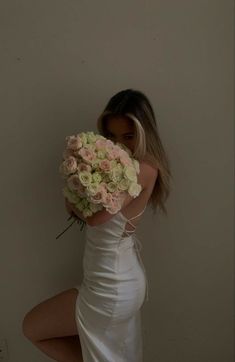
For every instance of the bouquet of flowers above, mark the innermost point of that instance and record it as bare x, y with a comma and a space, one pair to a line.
98, 173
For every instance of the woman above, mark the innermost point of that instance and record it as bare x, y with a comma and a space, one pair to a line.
100, 320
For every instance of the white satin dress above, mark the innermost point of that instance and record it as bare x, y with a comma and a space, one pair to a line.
113, 289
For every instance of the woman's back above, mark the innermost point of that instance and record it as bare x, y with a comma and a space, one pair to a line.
147, 178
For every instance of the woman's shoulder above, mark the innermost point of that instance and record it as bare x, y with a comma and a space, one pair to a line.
149, 169
150, 161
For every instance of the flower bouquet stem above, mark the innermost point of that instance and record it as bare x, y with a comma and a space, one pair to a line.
76, 218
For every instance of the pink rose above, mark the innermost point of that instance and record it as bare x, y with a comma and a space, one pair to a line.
74, 142
109, 144
105, 165
97, 198
100, 196
108, 199
103, 184
84, 167
75, 184
120, 195
100, 144
113, 153
103, 190
126, 161
116, 151
114, 206
88, 155
70, 165
110, 154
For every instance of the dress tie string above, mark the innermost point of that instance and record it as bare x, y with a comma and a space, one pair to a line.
138, 247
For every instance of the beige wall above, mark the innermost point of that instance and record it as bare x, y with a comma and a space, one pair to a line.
60, 62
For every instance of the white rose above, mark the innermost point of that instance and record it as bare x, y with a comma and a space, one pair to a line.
115, 174
93, 188
134, 189
111, 186
130, 173
136, 165
123, 184
85, 178
91, 137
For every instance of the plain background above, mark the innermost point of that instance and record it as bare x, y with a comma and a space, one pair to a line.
61, 61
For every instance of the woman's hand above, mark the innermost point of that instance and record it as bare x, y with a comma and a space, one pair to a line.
69, 206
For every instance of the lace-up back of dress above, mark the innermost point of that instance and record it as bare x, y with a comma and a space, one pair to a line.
128, 232
137, 243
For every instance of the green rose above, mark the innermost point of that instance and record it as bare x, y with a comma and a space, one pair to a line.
83, 137
85, 178
87, 212
112, 186
101, 154
90, 146
85, 202
79, 205
95, 207
96, 176
91, 137
93, 188
114, 163
70, 195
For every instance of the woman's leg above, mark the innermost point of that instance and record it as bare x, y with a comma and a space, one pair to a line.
51, 326
62, 349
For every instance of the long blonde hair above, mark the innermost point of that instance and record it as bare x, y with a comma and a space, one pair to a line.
134, 105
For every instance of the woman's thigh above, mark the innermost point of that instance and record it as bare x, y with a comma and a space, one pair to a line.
54, 317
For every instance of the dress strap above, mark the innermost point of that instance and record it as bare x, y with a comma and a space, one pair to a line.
139, 213
129, 222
